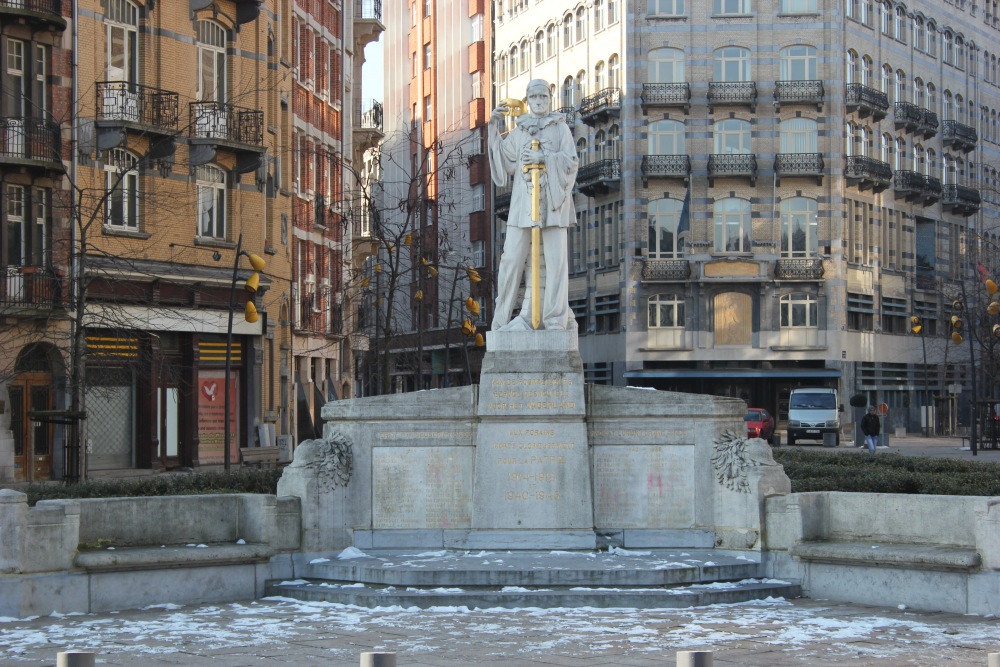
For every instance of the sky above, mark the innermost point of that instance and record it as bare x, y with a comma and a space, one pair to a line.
372, 73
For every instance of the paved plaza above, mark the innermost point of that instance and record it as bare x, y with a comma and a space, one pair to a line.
279, 631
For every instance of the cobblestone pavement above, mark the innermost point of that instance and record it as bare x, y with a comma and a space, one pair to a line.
278, 631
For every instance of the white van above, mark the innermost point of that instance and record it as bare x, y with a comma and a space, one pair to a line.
812, 412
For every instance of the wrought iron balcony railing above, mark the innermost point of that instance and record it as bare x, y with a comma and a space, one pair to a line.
501, 202
960, 199
35, 10
666, 166
28, 287
368, 115
30, 139
798, 92
908, 115
959, 135
799, 164
368, 9
867, 101
932, 190
666, 270
739, 93
929, 124
866, 172
571, 115
227, 122
133, 103
601, 105
799, 268
599, 177
724, 165
909, 184
666, 95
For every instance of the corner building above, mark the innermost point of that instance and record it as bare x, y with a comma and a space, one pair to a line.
769, 190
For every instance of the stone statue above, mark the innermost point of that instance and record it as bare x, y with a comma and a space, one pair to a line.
540, 150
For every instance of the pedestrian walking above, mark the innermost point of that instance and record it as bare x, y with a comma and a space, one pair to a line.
871, 426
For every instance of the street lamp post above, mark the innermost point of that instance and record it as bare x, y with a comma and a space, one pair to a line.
250, 314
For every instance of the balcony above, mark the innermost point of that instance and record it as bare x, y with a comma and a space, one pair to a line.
960, 200
601, 106
599, 177
666, 270
739, 165
216, 125
959, 135
915, 119
571, 115
152, 112
798, 92
732, 93
666, 95
909, 185
31, 143
501, 202
799, 164
799, 268
30, 290
43, 14
246, 10
867, 101
666, 166
367, 125
933, 190
367, 22
929, 124
865, 172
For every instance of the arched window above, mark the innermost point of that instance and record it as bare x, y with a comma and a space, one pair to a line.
799, 135
567, 31
211, 62
798, 63
850, 132
550, 41
885, 148
614, 71
959, 52
931, 167
799, 227
600, 83
502, 68
919, 34
731, 137
900, 25
666, 137
887, 80
948, 109
614, 137
121, 209
732, 63
581, 84
666, 66
612, 12
732, 225
948, 170
867, 71
666, 311
668, 228
600, 144
539, 47
932, 98
581, 150
581, 24
568, 92
919, 159
211, 183
885, 18
900, 157
514, 62
853, 72
598, 16
523, 65
932, 40
918, 93
899, 89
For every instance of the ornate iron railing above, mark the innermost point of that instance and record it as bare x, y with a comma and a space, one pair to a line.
867, 99
219, 120
799, 268
30, 139
598, 172
798, 164
667, 166
30, 287
368, 9
52, 7
908, 114
865, 168
908, 182
666, 270
118, 100
570, 113
368, 115
933, 189
960, 134
665, 94
740, 164
732, 92
603, 102
961, 199
806, 92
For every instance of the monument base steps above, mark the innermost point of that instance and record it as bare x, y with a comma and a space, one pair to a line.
675, 578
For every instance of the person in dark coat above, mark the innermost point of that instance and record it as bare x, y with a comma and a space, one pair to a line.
871, 426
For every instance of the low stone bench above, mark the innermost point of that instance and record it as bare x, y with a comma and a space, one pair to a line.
148, 558
919, 556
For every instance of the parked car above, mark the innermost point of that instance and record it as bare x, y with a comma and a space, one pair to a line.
760, 423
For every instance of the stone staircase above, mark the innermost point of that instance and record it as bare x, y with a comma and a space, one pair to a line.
675, 578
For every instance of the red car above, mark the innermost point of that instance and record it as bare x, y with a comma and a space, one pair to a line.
760, 423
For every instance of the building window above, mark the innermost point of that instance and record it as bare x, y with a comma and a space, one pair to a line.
666, 66
579, 308
568, 89
895, 315
731, 137
666, 7
860, 312
666, 311
668, 228
732, 64
567, 31
799, 228
523, 66
581, 24
798, 63
732, 225
122, 184
607, 314
614, 71
122, 41
799, 135
17, 230
539, 47
722, 7
428, 57
612, 12
550, 41
477, 27
478, 253
428, 108
799, 311
798, 7
666, 137
478, 198
598, 16
211, 183
211, 62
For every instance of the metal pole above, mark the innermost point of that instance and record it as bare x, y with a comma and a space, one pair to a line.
972, 367
229, 351
927, 388
75, 659
694, 659
378, 659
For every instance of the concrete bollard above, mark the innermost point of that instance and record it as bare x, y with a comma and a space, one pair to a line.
376, 659
993, 660
75, 659
694, 659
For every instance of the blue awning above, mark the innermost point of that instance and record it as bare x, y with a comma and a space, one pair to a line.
737, 373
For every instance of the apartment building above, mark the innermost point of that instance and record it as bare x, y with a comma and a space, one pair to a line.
332, 128
430, 238
769, 189
35, 114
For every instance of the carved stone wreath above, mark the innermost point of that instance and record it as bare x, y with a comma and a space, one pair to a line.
331, 458
733, 457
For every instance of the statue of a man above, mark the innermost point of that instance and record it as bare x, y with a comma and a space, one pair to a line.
508, 153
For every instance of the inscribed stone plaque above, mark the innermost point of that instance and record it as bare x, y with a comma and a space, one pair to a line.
421, 487
643, 486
